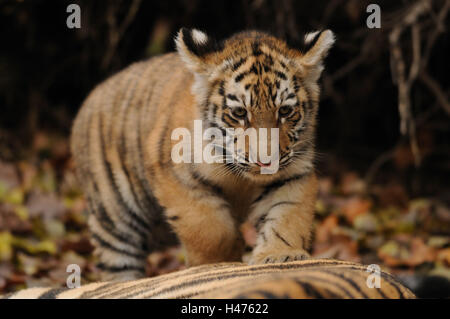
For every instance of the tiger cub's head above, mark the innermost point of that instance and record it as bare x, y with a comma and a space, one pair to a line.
254, 80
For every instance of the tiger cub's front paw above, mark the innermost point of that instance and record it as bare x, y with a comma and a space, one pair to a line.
281, 257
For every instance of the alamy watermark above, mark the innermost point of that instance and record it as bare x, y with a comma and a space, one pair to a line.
74, 279
227, 148
74, 18
374, 279
374, 19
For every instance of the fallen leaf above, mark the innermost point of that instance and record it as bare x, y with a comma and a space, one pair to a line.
8, 176
351, 183
443, 256
366, 222
10, 220
438, 241
28, 264
411, 253
324, 230
391, 194
80, 245
343, 249
354, 207
45, 205
35, 247
6, 250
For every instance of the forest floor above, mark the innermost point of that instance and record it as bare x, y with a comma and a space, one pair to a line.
43, 225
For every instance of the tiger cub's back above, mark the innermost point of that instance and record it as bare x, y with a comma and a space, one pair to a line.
314, 278
109, 144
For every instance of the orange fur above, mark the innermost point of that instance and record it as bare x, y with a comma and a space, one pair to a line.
139, 198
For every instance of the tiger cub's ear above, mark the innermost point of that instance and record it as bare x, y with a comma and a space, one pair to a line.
315, 48
196, 49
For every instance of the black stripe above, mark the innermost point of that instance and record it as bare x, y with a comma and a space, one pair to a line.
104, 244
281, 238
215, 188
310, 290
149, 200
222, 88
110, 268
348, 280
151, 286
236, 65
140, 188
122, 155
226, 117
268, 59
394, 282
240, 272
307, 46
260, 221
263, 218
52, 293
294, 121
232, 97
282, 203
296, 84
116, 192
342, 289
203, 280
264, 293
215, 109
255, 69
153, 282
290, 96
309, 103
263, 236
277, 184
163, 138
281, 75
241, 76
104, 288
108, 225
255, 49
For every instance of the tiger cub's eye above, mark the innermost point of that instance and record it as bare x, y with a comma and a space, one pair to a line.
285, 110
239, 112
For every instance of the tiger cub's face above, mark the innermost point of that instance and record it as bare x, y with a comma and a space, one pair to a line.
253, 80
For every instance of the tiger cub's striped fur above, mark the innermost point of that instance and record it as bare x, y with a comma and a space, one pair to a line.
139, 199
314, 278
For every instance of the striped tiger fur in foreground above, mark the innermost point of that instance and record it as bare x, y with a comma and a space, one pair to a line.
139, 197
313, 278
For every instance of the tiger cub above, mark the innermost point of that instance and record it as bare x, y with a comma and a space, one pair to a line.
141, 199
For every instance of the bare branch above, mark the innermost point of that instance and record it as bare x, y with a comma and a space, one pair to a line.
407, 124
434, 87
415, 65
440, 28
116, 32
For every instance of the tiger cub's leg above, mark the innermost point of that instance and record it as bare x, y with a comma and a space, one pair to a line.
207, 232
120, 245
283, 219
202, 221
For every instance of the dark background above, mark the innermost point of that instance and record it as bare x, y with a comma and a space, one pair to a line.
366, 163
46, 69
